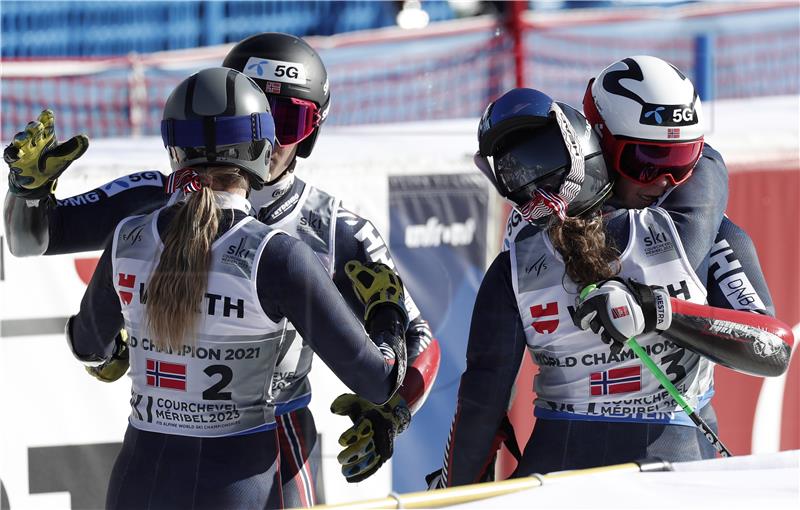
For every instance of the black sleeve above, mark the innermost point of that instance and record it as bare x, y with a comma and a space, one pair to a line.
100, 317
356, 239
293, 284
85, 222
735, 279
697, 207
494, 353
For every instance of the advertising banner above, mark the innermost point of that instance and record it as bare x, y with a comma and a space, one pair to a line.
438, 241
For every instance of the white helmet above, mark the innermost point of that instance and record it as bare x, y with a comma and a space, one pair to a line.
649, 118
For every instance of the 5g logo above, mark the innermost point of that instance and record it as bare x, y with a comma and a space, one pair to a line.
680, 116
276, 70
290, 71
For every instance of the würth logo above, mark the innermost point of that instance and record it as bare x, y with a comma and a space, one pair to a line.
126, 281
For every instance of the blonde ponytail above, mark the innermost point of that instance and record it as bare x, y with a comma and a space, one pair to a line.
178, 285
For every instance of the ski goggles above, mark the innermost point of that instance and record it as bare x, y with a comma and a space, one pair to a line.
245, 151
295, 119
644, 162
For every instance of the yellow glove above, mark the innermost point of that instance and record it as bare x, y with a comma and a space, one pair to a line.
375, 284
370, 441
36, 159
116, 366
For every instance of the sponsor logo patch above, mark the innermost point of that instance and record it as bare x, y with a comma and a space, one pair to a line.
668, 115
126, 281
276, 70
132, 181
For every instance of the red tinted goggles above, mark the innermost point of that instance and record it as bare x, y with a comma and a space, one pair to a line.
644, 162
295, 119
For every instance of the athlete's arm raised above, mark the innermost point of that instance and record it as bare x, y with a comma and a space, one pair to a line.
83, 222
36, 223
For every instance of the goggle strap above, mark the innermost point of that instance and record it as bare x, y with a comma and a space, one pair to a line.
574, 180
227, 130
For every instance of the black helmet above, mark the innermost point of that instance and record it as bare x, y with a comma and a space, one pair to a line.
545, 156
219, 116
294, 78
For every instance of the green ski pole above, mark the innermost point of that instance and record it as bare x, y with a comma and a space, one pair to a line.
671, 389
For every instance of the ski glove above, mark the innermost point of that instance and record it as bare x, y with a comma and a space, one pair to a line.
36, 159
370, 441
618, 309
116, 366
376, 284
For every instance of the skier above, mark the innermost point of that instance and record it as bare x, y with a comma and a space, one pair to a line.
202, 432
295, 80
595, 405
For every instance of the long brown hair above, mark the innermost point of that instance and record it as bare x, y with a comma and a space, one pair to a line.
178, 285
585, 248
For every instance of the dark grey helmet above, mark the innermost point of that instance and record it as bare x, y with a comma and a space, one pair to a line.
531, 151
285, 67
219, 116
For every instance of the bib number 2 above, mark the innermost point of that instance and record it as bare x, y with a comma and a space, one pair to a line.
215, 391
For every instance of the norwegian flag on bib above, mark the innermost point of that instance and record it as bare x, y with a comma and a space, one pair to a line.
616, 380
163, 374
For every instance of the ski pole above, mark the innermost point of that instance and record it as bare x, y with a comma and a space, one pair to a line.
675, 394
671, 389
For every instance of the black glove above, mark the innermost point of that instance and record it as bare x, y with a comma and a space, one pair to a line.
370, 441
619, 309
36, 159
